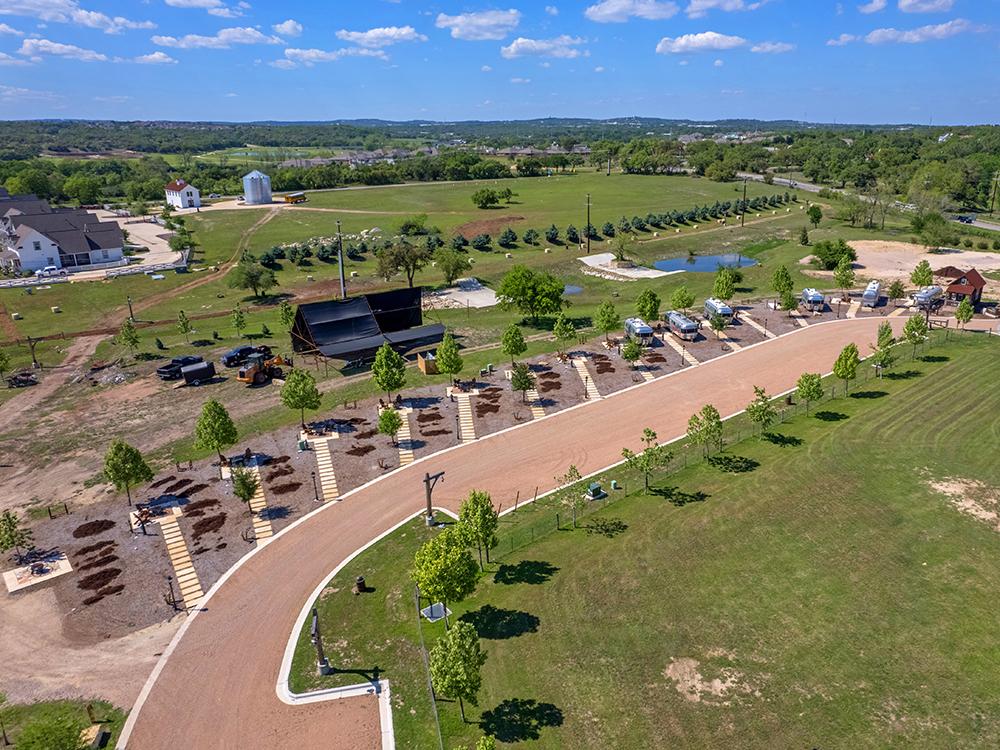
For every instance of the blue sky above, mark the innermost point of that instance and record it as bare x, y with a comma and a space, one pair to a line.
874, 61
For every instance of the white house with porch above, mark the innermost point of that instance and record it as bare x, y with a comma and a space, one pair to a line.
182, 195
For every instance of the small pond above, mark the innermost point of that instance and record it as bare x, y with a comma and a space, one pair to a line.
569, 289
704, 263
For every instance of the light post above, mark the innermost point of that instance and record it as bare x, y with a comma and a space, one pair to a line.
322, 664
429, 482
173, 599
131, 315
587, 228
315, 488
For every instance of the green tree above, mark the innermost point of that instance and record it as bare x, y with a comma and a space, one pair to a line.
239, 319
963, 313
286, 315
705, 428
82, 188
815, 214
724, 286
631, 351
882, 359
449, 361
184, 326
388, 370
718, 324
846, 366
789, 301
405, 257
884, 339
682, 298
781, 280
531, 293
915, 332
552, 234
249, 274
522, 380
922, 275
125, 467
390, 422
215, 429
444, 569
479, 521
13, 536
245, 484
508, 238
512, 342
647, 305
486, 198
809, 388
804, 237
51, 731
761, 410
563, 330
452, 263
843, 274
606, 319
896, 290
654, 456
456, 663
127, 336
300, 392
530, 237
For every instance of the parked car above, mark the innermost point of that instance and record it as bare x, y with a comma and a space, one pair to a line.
49, 271
172, 370
214, 195
236, 357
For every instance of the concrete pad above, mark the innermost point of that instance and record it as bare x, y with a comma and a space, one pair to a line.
601, 264
465, 293
22, 578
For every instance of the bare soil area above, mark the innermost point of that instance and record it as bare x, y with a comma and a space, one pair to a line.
888, 260
492, 227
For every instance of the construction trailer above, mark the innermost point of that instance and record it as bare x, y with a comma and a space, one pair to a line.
872, 294
638, 330
681, 326
715, 307
929, 298
198, 373
813, 300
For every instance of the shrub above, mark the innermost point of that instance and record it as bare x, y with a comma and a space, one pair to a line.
828, 253
482, 242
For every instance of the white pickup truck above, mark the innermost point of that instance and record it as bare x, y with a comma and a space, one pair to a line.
49, 271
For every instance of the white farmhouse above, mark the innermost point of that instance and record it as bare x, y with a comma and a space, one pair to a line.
182, 195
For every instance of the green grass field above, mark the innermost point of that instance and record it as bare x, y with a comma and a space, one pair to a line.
17, 717
837, 599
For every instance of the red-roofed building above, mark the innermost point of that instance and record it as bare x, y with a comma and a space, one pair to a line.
182, 195
969, 285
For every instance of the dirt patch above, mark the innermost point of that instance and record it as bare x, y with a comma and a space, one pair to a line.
208, 526
366, 435
177, 486
886, 260
973, 498
198, 508
96, 547
491, 227
99, 562
92, 528
195, 489
361, 450
161, 482
284, 489
281, 471
96, 581
685, 673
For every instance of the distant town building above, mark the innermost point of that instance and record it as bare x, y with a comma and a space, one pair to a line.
256, 189
182, 195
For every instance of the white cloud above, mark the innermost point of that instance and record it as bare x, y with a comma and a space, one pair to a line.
706, 40
213, 7
873, 7
552, 10
772, 48
619, 11
925, 6
5, 29
599, 69
69, 11
6, 59
919, 35
700, 8
841, 40
310, 57
381, 37
224, 39
718, 63
288, 28
15, 93
486, 69
113, 99
563, 46
35, 49
520, 81
477, 27
155, 58
231, 95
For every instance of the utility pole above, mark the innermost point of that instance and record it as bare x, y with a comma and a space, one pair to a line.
993, 197
429, 482
340, 262
131, 315
322, 663
609, 165
743, 206
586, 229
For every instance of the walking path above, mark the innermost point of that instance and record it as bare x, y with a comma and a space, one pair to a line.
897, 312
580, 363
725, 338
262, 530
745, 317
466, 424
679, 348
852, 311
405, 438
799, 318
324, 464
180, 558
215, 686
534, 403
643, 370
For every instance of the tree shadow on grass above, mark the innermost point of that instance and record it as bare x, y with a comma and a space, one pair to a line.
526, 571
732, 464
679, 497
830, 416
500, 624
520, 719
935, 358
608, 527
782, 441
869, 394
904, 375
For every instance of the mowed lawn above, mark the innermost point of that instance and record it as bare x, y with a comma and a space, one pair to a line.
828, 598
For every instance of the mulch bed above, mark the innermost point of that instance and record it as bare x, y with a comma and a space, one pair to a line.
208, 525
92, 528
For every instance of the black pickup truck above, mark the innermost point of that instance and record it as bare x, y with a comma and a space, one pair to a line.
172, 370
236, 357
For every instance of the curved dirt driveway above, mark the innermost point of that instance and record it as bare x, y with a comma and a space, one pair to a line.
217, 688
